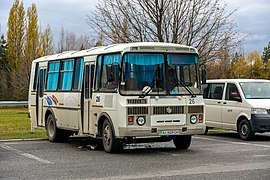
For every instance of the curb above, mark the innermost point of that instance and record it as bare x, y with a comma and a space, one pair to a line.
14, 140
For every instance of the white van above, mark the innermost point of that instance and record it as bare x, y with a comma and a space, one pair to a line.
238, 104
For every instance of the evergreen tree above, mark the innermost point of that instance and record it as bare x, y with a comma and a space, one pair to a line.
3, 49
266, 54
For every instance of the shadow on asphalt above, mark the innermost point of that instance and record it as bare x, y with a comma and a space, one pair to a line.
86, 143
234, 135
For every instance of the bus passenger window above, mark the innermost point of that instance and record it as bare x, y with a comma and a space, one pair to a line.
66, 73
77, 81
53, 74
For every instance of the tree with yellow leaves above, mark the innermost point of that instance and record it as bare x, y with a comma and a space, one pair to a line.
255, 65
239, 68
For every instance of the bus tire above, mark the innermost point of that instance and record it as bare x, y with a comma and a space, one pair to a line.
244, 130
54, 134
182, 142
110, 143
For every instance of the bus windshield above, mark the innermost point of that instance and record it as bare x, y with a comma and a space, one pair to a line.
176, 76
256, 90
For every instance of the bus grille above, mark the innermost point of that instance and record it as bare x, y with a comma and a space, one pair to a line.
195, 109
137, 101
168, 110
137, 110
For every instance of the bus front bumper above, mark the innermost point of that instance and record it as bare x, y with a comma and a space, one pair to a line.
160, 131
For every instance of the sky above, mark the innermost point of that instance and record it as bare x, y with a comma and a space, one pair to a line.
252, 18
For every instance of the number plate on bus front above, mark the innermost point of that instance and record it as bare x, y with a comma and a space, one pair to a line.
169, 132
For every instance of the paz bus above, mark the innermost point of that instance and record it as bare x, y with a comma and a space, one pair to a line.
119, 94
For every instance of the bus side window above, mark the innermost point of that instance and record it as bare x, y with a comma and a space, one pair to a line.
92, 80
77, 80
66, 74
98, 73
53, 74
110, 72
86, 76
35, 77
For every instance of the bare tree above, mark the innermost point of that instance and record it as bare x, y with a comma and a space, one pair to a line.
83, 42
203, 24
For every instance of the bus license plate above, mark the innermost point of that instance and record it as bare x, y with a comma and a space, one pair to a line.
169, 132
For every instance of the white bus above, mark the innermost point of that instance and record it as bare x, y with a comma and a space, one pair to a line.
122, 93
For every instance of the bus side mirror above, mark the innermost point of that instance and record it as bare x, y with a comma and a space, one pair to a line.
203, 75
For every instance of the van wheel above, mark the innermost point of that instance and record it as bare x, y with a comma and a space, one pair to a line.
54, 134
110, 143
206, 130
182, 142
244, 130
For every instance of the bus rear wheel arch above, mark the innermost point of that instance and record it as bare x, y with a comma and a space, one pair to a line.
53, 132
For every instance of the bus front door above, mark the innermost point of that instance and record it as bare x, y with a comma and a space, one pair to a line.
87, 96
39, 96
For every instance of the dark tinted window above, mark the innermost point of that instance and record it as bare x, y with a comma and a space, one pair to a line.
213, 91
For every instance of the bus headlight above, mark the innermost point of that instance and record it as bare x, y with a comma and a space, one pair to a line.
141, 120
193, 119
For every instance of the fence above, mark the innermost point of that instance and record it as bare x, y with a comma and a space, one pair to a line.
13, 103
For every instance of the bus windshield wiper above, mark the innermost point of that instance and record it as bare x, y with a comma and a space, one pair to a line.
187, 88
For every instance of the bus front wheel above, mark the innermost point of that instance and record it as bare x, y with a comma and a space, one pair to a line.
110, 143
182, 142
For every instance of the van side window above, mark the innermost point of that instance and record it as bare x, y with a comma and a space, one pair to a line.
205, 89
231, 92
215, 91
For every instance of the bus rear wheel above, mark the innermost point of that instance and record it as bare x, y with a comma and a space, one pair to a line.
110, 143
54, 134
182, 142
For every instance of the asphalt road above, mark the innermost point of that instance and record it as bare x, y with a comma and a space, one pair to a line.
219, 155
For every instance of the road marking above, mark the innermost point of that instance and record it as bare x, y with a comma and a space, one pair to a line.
233, 142
31, 156
205, 169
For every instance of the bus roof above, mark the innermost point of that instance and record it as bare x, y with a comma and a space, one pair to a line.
139, 46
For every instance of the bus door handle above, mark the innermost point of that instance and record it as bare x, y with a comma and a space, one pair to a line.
224, 103
218, 102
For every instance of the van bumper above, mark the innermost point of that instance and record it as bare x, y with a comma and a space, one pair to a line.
260, 122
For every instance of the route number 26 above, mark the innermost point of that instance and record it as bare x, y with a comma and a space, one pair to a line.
191, 101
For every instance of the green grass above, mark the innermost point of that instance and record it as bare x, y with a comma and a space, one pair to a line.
14, 124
